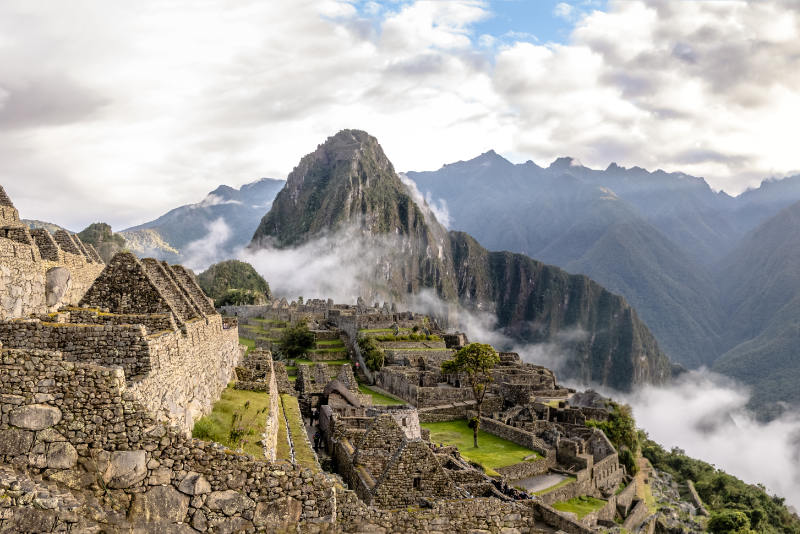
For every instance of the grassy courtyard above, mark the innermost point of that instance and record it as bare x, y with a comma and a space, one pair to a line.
379, 399
217, 425
580, 506
492, 452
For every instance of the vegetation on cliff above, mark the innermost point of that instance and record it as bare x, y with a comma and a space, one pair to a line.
620, 428
234, 282
734, 505
103, 239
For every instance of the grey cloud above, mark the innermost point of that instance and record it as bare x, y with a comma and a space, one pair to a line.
46, 101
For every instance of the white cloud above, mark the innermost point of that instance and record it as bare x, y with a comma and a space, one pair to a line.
199, 254
564, 10
138, 109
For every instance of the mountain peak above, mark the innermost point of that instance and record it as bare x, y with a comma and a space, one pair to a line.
564, 162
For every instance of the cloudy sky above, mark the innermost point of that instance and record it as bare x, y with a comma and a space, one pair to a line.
118, 111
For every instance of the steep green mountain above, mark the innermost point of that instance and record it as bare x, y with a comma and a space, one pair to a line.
567, 216
227, 215
348, 182
234, 282
103, 239
761, 298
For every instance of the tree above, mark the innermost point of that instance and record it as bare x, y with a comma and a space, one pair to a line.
372, 352
297, 340
476, 360
729, 521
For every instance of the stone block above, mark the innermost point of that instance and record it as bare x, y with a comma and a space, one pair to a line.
281, 512
159, 504
125, 468
194, 484
229, 502
35, 416
61, 455
15, 441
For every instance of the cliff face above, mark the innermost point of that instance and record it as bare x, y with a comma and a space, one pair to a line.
597, 331
348, 181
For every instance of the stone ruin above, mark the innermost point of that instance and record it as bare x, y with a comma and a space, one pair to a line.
40, 272
105, 368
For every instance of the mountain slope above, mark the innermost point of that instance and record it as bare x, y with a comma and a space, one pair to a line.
168, 236
570, 216
761, 289
348, 181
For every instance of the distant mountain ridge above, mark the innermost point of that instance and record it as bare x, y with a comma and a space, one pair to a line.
349, 182
168, 236
683, 255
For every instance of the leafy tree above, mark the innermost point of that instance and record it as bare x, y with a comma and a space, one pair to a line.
729, 521
297, 340
372, 352
476, 360
621, 430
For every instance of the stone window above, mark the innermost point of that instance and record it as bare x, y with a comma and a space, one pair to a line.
404, 422
417, 483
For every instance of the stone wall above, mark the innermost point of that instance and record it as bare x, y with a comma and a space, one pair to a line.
77, 424
124, 346
23, 279
517, 435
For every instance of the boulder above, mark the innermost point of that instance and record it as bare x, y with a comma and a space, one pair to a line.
194, 484
229, 502
281, 512
15, 441
125, 468
159, 504
57, 282
61, 455
34, 416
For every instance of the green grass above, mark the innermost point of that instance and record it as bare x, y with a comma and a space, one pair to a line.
303, 454
301, 361
282, 449
581, 506
420, 349
379, 398
416, 338
247, 342
330, 343
329, 350
492, 452
568, 480
381, 330
216, 426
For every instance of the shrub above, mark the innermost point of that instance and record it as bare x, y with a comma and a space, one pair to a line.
373, 354
297, 340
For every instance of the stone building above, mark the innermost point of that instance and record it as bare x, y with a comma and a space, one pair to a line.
151, 320
39, 272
